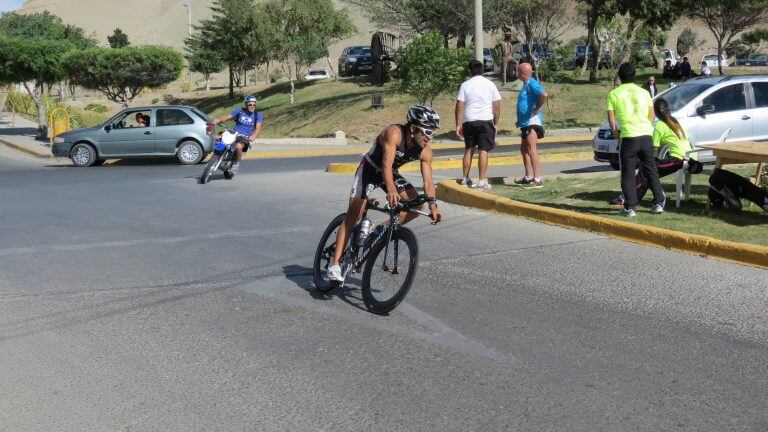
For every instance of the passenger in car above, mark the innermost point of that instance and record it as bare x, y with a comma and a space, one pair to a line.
142, 120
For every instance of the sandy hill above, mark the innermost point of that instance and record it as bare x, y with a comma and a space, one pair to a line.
162, 22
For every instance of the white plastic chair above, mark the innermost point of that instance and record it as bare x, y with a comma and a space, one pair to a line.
703, 156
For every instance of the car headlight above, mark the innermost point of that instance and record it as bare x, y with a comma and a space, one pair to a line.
352, 60
59, 140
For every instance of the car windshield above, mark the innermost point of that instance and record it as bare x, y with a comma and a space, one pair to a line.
360, 51
680, 96
757, 57
317, 72
710, 57
486, 51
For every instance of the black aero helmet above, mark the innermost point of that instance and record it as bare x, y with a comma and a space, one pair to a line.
423, 116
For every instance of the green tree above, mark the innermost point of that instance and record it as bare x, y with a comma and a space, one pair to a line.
427, 69
118, 39
305, 29
727, 18
228, 33
205, 61
34, 63
594, 12
453, 19
750, 42
43, 25
687, 41
122, 73
653, 18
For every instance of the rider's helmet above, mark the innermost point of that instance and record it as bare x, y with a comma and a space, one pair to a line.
251, 98
423, 116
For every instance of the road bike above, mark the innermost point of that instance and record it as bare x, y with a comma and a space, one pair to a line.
388, 256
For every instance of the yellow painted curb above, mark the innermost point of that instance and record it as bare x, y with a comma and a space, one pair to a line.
753, 255
363, 149
25, 150
346, 168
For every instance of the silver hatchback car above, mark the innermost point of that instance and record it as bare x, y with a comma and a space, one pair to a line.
706, 107
183, 132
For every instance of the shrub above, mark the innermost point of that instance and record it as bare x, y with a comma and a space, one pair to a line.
99, 108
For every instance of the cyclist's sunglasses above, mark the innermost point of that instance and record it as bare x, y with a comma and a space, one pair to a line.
251, 104
426, 132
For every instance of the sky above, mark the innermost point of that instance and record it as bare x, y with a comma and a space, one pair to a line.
10, 5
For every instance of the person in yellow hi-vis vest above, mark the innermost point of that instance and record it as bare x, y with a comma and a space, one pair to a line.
631, 105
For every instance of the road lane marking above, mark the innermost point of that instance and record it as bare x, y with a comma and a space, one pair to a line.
155, 241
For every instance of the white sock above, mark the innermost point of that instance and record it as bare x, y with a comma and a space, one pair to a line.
537, 179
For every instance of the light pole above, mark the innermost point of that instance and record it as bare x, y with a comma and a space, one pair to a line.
189, 32
479, 30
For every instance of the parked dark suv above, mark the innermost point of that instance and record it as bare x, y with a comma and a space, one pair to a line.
355, 60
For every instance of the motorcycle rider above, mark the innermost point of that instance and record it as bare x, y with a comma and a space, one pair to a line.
248, 123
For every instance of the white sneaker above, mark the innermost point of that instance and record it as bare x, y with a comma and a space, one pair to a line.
659, 208
234, 168
334, 274
466, 182
482, 185
628, 212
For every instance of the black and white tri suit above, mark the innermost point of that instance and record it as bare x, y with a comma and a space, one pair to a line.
369, 175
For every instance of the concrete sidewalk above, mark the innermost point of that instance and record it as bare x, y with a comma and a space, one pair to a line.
19, 133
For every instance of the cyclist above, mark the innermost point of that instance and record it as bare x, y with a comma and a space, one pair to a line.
395, 146
248, 123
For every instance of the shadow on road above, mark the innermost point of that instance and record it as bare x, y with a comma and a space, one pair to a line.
302, 277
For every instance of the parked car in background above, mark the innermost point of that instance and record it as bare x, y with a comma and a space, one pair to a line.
755, 59
489, 65
536, 50
581, 53
183, 132
316, 75
706, 107
670, 55
355, 60
711, 60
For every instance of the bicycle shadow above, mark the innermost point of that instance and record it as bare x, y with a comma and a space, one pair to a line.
302, 277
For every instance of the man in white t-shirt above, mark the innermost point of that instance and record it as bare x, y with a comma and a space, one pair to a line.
478, 106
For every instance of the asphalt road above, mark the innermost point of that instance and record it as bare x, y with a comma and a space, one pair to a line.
134, 299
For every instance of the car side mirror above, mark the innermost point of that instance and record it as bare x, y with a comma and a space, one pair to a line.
705, 109
108, 128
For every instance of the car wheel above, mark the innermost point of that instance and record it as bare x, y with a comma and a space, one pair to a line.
189, 153
83, 155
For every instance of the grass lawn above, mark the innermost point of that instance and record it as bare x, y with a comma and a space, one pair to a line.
591, 194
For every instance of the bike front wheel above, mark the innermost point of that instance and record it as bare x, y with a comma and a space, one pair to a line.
324, 255
210, 167
388, 277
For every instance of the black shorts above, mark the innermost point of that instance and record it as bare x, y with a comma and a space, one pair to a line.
368, 178
245, 142
479, 133
525, 131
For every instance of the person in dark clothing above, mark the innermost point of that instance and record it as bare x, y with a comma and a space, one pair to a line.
650, 86
685, 69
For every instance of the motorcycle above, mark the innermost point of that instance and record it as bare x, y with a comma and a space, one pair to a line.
223, 154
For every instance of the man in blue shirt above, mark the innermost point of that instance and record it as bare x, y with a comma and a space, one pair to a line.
529, 119
247, 122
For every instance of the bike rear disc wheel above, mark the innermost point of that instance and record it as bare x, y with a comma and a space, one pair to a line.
324, 255
385, 284
210, 166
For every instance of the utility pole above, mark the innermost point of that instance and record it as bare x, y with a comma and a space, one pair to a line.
479, 30
189, 32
